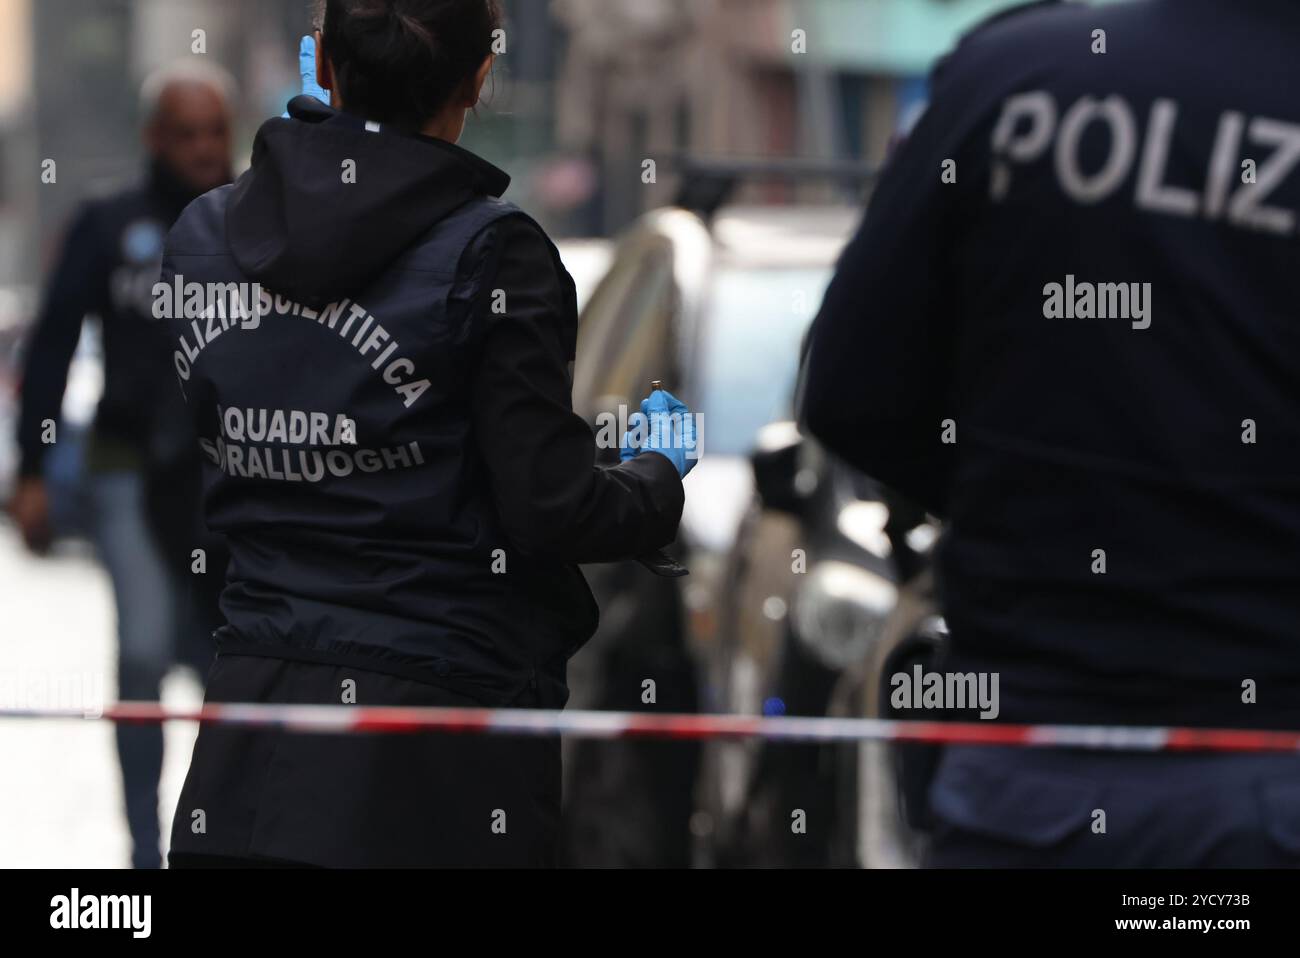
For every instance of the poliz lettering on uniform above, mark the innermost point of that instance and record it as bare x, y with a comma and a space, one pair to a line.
1028, 125
1098, 301
349, 320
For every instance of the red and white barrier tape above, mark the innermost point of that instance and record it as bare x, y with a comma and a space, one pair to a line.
357, 718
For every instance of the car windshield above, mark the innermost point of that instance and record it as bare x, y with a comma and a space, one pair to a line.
750, 351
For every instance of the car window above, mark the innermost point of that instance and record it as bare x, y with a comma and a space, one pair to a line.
749, 351
626, 335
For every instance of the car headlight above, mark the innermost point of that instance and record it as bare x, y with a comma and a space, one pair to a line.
841, 611
862, 522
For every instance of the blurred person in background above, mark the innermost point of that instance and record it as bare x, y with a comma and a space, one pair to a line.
142, 460
421, 547
1122, 496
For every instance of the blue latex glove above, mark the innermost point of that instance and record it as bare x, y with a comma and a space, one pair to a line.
633, 438
665, 425
307, 69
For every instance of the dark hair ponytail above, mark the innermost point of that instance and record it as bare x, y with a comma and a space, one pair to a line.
400, 61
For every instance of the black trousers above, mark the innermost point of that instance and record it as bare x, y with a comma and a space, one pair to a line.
183, 860
426, 799
1024, 808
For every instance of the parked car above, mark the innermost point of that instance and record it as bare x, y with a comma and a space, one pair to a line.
828, 593
587, 261
714, 304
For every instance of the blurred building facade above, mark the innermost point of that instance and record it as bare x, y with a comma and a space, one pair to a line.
587, 91
649, 79
70, 72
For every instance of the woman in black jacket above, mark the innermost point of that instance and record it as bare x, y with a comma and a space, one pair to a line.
392, 454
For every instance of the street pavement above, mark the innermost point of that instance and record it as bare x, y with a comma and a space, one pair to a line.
60, 788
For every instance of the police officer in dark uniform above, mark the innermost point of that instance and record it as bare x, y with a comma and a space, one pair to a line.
391, 450
141, 462
1068, 326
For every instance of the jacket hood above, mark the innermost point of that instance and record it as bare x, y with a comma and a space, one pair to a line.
307, 225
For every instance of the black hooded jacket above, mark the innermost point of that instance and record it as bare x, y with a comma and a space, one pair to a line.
389, 440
